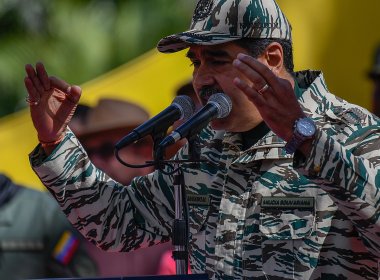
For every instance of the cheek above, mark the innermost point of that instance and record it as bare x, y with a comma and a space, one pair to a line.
239, 99
227, 84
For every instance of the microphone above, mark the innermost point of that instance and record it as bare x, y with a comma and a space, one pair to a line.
218, 106
182, 107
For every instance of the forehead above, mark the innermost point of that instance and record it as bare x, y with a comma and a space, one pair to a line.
222, 50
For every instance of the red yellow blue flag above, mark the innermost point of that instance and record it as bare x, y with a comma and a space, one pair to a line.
66, 247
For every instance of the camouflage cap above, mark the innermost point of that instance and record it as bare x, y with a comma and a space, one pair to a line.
220, 21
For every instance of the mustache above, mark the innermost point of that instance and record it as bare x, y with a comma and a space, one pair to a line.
206, 92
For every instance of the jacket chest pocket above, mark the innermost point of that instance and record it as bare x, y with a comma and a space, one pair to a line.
286, 246
286, 224
197, 218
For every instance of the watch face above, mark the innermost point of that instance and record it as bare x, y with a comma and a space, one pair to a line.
306, 127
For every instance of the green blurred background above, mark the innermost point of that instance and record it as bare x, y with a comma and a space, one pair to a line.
79, 39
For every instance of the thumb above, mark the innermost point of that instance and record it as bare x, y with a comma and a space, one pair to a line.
74, 93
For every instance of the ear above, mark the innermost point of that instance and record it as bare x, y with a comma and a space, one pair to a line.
273, 57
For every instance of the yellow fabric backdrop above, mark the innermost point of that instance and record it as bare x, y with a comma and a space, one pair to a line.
336, 36
339, 38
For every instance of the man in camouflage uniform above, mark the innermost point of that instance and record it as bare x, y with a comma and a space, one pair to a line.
290, 188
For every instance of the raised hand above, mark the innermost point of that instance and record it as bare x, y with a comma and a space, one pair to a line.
52, 103
273, 96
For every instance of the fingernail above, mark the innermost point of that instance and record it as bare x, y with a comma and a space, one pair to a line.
236, 80
241, 56
236, 62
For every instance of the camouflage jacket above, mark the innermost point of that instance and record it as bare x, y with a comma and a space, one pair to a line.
258, 213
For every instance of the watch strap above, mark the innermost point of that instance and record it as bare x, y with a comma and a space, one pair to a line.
297, 138
293, 144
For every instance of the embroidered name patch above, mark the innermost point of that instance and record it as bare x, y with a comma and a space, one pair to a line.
21, 245
198, 199
287, 202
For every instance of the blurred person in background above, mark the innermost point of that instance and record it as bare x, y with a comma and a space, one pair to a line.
36, 239
78, 121
374, 75
105, 124
98, 128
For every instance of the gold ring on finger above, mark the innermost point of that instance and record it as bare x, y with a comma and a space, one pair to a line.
263, 89
32, 102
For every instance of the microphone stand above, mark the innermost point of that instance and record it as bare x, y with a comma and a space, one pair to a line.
180, 234
180, 225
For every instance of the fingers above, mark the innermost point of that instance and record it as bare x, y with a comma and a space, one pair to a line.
261, 75
59, 84
36, 83
74, 94
259, 86
33, 95
257, 98
258, 82
41, 81
42, 75
32, 75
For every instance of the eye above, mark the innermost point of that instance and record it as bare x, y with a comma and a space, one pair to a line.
219, 62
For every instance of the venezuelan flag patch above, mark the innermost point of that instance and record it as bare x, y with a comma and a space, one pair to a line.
66, 247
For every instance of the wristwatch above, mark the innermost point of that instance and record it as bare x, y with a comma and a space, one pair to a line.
304, 129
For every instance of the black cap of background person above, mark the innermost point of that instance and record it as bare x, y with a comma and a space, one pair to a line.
374, 73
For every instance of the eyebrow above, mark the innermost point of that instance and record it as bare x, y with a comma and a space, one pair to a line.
211, 53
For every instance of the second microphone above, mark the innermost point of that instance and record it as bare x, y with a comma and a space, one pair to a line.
218, 106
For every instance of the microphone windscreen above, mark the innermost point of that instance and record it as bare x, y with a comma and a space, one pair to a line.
185, 104
223, 102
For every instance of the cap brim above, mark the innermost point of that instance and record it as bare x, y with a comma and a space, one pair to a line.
180, 41
83, 135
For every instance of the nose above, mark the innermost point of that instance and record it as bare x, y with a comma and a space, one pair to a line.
202, 77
